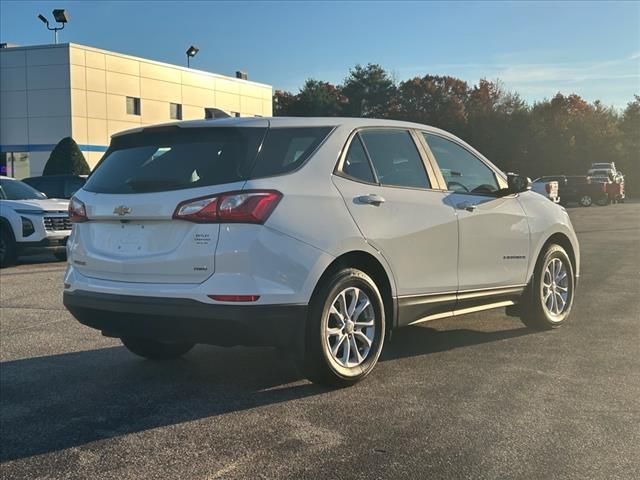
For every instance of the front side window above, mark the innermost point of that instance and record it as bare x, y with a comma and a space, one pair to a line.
395, 158
463, 171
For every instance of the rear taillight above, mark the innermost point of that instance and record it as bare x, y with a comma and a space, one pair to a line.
251, 206
547, 187
77, 211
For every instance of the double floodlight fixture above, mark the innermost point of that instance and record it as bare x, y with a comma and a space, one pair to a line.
191, 52
60, 16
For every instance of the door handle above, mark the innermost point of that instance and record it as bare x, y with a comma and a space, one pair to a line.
371, 199
469, 207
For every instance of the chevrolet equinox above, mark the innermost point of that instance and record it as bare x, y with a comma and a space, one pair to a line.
316, 235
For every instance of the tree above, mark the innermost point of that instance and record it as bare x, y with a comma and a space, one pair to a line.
630, 145
439, 101
369, 92
66, 158
283, 103
315, 99
498, 125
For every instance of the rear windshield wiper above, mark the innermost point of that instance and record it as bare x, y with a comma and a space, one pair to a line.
151, 185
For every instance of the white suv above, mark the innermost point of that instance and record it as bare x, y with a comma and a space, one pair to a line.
315, 234
30, 222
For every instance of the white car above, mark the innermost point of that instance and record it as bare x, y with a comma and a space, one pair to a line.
319, 235
547, 188
30, 222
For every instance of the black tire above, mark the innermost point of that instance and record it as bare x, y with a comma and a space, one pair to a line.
585, 201
155, 350
8, 250
62, 256
603, 202
533, 311
319, 364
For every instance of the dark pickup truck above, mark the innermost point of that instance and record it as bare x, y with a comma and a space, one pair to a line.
580, 189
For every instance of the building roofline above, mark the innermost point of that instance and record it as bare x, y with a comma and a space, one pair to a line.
138, 59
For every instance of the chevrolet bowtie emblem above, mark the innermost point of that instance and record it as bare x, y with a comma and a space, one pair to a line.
122, 210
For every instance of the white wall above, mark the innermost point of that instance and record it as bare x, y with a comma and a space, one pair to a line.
35, 108
50, 92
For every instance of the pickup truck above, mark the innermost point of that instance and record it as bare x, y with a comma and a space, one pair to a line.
583, 190
546, 188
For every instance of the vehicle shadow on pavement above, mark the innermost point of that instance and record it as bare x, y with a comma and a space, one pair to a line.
419, 340
61, 401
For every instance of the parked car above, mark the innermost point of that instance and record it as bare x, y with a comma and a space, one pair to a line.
547, 188
603, 166
316, 235
579, 189
57, 186
30, 222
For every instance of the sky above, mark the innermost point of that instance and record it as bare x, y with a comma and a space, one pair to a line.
535, 48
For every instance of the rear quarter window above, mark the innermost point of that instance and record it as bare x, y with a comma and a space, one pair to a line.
286, 149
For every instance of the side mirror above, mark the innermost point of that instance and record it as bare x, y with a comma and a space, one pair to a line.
517, 183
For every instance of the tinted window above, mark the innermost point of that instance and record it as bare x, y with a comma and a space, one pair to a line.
16, 190
52, 187
395, 158
463, 171
72, 186
175, 158
285, 149
356, 163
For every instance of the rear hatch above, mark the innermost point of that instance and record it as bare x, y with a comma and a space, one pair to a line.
133, 195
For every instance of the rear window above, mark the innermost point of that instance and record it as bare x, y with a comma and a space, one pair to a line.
174, 158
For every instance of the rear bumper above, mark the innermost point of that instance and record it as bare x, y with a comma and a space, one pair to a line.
182, 319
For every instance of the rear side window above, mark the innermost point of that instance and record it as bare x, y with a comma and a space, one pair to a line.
356, 164
395, 158
175, 158
285, 149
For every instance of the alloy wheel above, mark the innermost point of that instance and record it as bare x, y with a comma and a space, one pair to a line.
586, 201
350, 327
555, 287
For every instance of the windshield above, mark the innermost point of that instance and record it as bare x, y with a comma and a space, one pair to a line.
175, 158
17, 190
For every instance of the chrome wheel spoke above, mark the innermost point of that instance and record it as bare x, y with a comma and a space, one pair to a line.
355, 350
362, 337
359, 309
336, 347
346, 351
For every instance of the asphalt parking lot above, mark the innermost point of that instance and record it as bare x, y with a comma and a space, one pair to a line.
474, 397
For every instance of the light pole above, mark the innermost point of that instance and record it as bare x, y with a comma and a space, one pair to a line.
60, 16
191, 52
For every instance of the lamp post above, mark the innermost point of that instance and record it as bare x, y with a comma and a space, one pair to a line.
60, 16
191, 52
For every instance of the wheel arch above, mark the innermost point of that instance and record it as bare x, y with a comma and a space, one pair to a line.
5, 223
563, 240
373, 267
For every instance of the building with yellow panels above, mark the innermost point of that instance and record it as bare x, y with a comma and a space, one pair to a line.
48, 92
